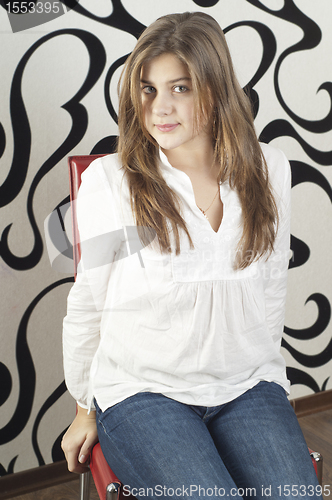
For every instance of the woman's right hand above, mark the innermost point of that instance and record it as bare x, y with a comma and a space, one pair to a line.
79, 440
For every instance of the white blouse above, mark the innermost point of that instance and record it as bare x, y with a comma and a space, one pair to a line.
188, 326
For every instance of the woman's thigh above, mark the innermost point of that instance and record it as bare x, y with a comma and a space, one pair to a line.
162, 448
261, 443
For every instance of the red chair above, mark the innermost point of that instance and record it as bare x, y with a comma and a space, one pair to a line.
107, 484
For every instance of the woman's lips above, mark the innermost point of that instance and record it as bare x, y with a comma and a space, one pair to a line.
168, 127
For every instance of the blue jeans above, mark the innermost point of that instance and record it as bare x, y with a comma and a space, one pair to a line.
252, 447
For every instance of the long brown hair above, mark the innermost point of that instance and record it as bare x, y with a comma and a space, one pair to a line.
199, 43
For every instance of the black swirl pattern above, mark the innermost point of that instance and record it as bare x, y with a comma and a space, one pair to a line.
26, 371
269, 51
22, 141
301, 377
108, 99
10, 468
311, 38
323, 319
6, 383
2, 140
53, 398
282, 128
290, 126
303, 172
120, 17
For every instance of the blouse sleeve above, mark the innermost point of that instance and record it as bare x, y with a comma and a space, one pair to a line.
276, 269
97, 224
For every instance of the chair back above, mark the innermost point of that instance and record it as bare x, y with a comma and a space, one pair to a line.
107, 484
77, 165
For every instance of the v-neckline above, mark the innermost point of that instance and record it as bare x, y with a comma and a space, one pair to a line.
179, 172
204, 216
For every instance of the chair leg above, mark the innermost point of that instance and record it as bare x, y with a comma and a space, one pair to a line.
113, 491
85, 485
319, 463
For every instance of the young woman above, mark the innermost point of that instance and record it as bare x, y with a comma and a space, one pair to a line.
172, 336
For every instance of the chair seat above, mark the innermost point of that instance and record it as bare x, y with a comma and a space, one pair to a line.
104, 478
107, 484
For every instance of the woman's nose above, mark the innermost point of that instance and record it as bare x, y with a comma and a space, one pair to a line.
162, 104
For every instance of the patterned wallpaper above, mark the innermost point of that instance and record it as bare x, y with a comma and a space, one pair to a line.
59, 66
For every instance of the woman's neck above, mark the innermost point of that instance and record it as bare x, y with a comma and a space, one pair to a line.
198, 159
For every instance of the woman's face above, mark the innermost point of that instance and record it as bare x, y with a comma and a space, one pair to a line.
168, 104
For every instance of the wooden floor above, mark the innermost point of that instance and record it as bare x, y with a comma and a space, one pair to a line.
317, 429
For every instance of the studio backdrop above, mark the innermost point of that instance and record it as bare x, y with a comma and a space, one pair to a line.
59, 67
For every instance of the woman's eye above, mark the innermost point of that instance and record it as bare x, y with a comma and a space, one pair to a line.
148, 89
180, 89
